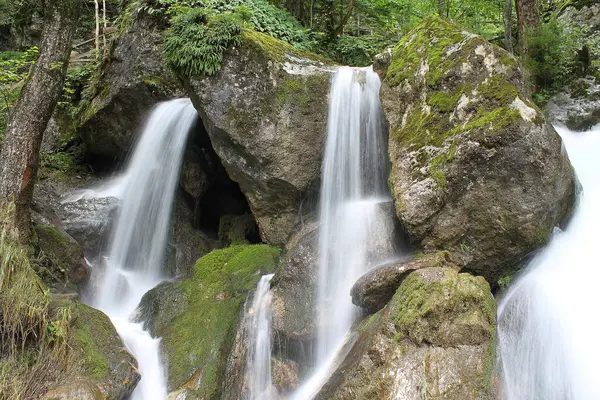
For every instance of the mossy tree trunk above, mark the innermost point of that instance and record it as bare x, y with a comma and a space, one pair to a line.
528, 19
19, 158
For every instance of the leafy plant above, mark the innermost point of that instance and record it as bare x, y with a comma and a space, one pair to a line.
14, 69
196, 40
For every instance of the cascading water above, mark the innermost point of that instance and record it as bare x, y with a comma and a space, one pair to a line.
137, 244
257, 322
352, 192
547, 320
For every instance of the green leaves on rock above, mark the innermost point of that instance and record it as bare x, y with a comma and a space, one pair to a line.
195, 43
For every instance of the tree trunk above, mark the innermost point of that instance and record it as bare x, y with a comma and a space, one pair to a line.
441, 8
528, 19
97, 17
507, 25
103, 27
19, 158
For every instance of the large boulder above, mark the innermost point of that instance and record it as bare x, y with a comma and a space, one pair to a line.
131, 79
266, 113
475, 167
99, 366
435, 340
197, 318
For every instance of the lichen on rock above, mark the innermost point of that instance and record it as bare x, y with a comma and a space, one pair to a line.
475, 168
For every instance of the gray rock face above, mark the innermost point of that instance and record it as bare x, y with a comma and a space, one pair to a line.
375, 289
294, 296
133, 79
435, 340
88, 220
476, 169
578, 107
265, 113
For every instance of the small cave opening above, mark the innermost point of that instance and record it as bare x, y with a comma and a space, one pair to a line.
220, 209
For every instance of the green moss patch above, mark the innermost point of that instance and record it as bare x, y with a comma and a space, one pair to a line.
442, 307
199, 338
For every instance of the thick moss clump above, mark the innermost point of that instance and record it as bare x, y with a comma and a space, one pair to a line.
196, 341
445, 308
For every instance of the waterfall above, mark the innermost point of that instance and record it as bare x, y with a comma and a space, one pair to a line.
257, 322
547, 321
353, 189
137, 244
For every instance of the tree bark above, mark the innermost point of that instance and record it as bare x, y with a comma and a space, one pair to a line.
345, 18
528, 19
508, 25
441, 8
19, 158
97, 17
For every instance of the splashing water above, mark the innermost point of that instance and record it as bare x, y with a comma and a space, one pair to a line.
352, 193
138, 241
257, 322
547, 321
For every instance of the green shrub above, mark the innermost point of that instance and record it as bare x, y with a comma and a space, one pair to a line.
196, 40
552, 56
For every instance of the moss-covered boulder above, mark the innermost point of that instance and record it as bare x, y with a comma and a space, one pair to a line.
266, 113
475, 167
131, 79
373, 290
61, 264
434, 340
197, 318
100, 367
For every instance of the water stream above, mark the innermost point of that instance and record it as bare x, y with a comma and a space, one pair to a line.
257, 322
547, 321
135, 254
353, 193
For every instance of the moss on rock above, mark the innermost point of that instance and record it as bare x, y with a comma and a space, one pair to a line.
196, 342
62, 264
434, 340
465, 139
444, 308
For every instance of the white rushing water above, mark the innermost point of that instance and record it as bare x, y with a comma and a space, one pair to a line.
547, 322
257, 321
353, 189
137, 244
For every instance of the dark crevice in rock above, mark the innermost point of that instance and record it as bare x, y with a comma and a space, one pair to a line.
211, 194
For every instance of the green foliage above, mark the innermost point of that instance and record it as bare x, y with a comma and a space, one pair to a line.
33, 334
14, 69
196, 40
552, 55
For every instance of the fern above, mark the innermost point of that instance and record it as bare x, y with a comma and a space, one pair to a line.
195, 42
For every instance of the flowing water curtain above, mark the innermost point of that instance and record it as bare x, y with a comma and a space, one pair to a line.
138, 241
